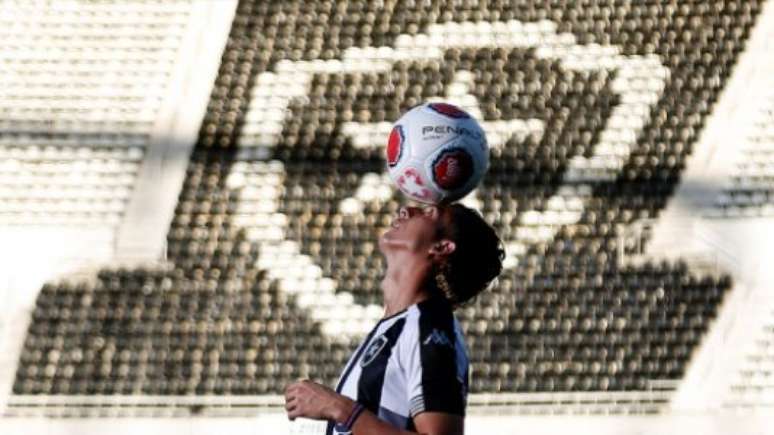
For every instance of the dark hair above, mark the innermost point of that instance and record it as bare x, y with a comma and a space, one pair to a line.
477, 259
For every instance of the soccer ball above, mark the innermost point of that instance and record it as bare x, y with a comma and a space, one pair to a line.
436, 153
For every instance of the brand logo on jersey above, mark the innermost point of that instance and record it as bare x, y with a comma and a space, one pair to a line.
439, 338
395, 145
374, 349
449, 110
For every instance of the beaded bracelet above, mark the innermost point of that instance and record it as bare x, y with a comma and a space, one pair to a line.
346, 427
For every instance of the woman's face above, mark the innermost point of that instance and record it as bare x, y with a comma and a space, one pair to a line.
413, 229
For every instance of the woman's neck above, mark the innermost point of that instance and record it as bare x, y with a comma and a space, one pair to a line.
403, 284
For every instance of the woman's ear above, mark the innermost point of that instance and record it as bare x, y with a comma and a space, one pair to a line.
443, 247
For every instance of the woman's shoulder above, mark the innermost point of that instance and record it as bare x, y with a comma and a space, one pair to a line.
435, 309
431, 319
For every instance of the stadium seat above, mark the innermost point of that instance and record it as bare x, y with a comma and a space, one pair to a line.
81, 94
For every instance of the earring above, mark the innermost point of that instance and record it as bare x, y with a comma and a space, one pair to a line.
443, 284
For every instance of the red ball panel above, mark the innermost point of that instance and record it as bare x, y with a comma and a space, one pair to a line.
449, 110
395, 145
452, 169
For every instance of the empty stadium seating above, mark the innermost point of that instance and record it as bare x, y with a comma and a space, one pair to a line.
751, 191
82, 85
752, 382
566, 317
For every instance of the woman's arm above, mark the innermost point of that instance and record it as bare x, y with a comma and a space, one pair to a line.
427, 423
312, 400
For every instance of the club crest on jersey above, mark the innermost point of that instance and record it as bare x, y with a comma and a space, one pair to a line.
374, 349
449, 110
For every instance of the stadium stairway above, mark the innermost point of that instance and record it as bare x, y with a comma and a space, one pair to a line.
693, 229
141, 237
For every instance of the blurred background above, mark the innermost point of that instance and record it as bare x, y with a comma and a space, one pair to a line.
191, 191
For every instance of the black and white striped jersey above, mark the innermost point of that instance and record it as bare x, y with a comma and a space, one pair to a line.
411, 362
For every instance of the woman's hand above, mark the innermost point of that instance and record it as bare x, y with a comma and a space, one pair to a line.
311, 400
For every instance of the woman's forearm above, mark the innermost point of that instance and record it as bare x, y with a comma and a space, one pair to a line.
369, 424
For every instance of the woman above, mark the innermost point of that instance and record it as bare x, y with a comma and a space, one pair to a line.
410, 374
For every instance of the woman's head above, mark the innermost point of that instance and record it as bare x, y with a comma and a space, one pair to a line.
463, 252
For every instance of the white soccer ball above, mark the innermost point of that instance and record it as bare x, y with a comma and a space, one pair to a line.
437, 153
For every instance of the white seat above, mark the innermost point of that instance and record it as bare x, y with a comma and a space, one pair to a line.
112, 67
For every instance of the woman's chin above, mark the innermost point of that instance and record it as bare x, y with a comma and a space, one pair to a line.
389, 243
384, 242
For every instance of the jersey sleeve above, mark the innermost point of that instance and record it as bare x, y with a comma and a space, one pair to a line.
436, 371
